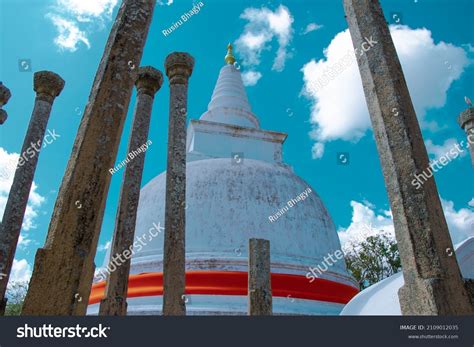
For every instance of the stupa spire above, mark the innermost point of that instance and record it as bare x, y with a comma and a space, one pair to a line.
229, 103
229, 58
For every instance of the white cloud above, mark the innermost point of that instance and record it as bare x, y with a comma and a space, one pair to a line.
438, 151
311, 27
85, 10
21, 271
339, 109
19, 275
471, 203
469, 47
263, 26
460, 223
69, 35
76, 19
8, 163
165, 2
23, 242
366, 221
317, 151
250, 78
102, 248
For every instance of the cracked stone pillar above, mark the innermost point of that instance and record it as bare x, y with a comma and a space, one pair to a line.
433, 283
47, 86
260, 284
148, 82
466, 122
64, 267
4, 97
179, 67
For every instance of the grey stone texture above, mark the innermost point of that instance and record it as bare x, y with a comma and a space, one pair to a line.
47, 86
179, 67
4, 97
470, 287
433, 283
466, 122
259, 284
148, 82
64, 267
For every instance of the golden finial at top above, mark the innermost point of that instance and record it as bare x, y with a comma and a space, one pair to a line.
229, 58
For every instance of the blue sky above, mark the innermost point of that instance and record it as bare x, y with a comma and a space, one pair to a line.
281, 48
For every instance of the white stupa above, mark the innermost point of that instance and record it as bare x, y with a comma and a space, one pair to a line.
236, 180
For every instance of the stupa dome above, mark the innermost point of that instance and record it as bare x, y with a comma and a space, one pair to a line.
237, 188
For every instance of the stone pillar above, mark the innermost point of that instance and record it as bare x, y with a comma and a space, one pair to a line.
433, 283
260, 284
64, 267
47, 86
4, 97
466, 122
148, 82
179, 67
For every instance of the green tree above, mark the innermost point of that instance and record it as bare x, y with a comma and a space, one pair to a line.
16, 295
373, 259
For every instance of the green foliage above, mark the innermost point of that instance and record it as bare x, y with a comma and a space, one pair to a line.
373, 259
16, 295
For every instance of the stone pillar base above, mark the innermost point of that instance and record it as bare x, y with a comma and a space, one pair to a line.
34, 302
116, 306
469, 283
428, 297
3, 306
51, 294
259, 278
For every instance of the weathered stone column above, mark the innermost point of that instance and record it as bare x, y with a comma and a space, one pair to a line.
179, 67
466, 122
64, 268
260, 284
148, 82
433, 283
4, 97
47, 86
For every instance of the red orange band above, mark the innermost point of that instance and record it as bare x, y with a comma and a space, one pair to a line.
235, 283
